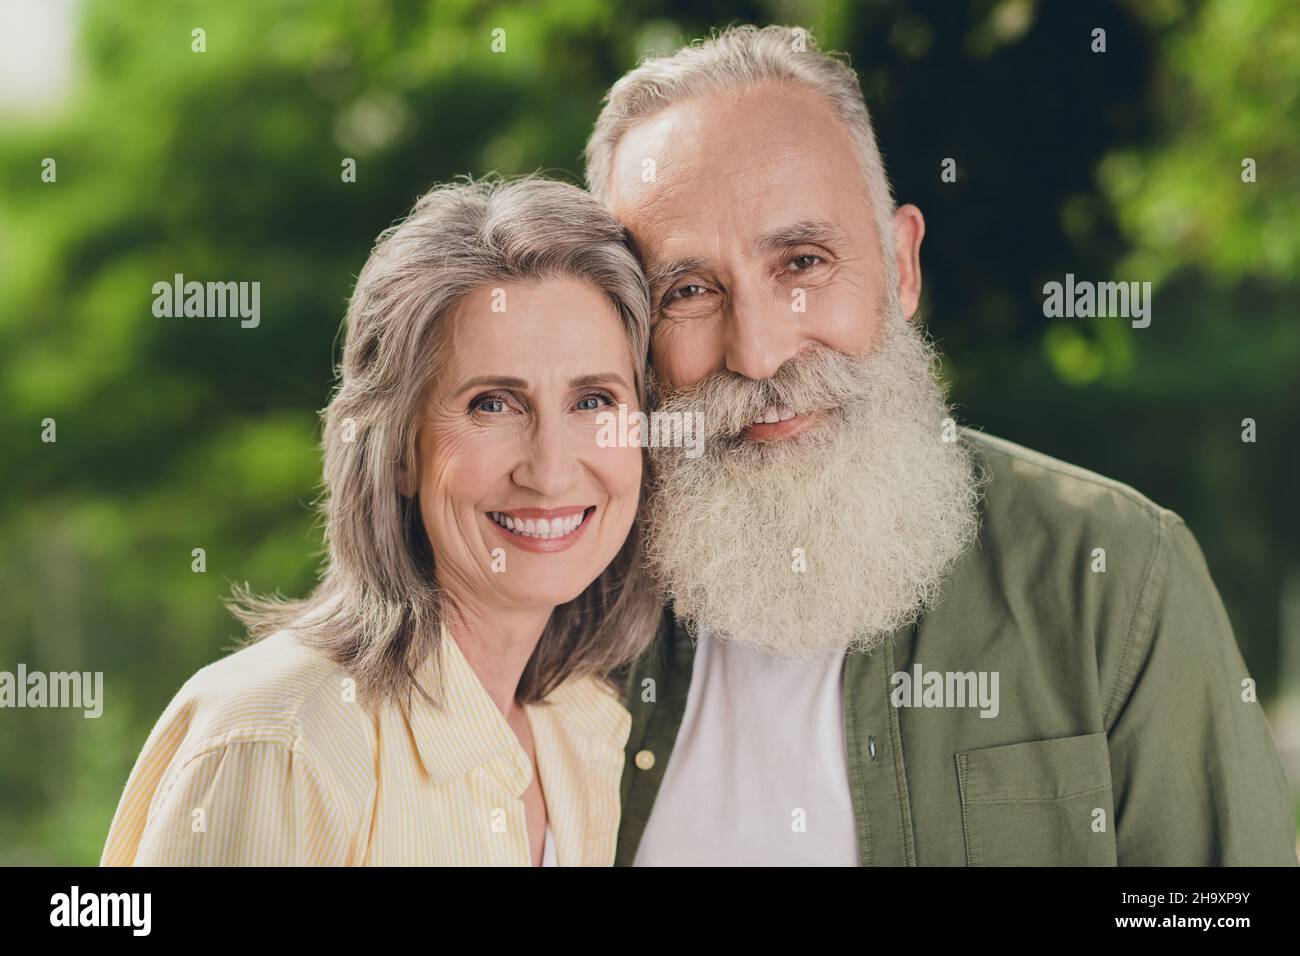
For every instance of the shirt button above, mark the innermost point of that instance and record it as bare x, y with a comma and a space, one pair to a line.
645, 759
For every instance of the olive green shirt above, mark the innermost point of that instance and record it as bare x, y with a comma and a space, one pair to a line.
1126, 732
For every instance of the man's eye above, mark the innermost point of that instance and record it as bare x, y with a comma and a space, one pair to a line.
801, 263
685, 292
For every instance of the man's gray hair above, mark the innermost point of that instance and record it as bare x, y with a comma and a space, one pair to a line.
737, 58
377, 610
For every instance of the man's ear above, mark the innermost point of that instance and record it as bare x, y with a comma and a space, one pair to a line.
909, 230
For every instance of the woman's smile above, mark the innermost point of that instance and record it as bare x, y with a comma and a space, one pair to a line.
543, 530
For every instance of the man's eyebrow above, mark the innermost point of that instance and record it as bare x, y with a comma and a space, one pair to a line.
666, 273
491, 381
811, 231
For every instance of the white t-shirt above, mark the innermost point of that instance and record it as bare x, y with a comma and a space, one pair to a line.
548, 849
758, 775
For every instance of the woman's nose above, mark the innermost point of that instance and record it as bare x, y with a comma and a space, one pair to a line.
549, 465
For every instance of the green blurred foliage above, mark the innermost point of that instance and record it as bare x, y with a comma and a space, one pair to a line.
175, 434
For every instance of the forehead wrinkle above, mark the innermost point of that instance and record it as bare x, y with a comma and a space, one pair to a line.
662, 243
691, 165
684, 218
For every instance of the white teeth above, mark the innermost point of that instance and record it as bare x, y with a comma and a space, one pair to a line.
773, 414
540, 528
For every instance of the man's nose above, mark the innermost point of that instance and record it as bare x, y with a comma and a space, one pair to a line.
549, 464
761, 331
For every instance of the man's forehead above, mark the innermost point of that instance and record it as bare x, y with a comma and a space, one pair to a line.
701, 168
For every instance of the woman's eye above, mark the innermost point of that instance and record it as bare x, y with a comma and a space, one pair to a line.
800, 263
488, 403
589, 403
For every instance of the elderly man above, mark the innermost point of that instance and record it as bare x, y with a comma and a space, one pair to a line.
890, 641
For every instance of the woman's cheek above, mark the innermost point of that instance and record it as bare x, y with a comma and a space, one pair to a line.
620, 473
464, 468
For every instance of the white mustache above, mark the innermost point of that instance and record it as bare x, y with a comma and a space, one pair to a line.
728, 403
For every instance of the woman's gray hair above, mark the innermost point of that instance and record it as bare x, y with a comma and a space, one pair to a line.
377, 610
734, 59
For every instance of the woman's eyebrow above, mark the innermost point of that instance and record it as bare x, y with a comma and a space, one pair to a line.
501, 381
600, 378
491, 381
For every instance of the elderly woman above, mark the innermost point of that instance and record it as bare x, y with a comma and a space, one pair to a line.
441, 697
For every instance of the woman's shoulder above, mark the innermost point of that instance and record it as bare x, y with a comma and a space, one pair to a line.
269, 730
277, 691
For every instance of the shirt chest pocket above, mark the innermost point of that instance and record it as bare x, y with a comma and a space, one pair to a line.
1041, 803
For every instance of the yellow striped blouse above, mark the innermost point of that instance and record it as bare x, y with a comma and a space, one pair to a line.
265, 758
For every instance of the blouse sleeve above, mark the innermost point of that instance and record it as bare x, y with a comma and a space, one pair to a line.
247, 803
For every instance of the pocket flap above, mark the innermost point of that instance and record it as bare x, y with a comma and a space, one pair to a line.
1037, 770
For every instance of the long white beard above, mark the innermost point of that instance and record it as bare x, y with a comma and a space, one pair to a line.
874, 505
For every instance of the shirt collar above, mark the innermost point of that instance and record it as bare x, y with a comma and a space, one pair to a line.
468, 732
465, 731
593, 709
